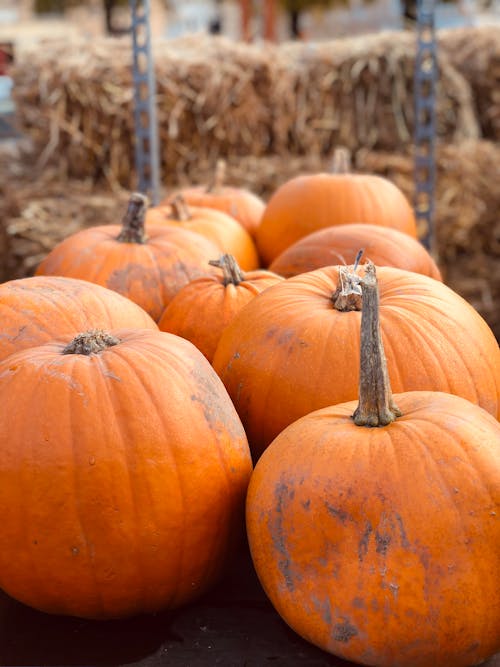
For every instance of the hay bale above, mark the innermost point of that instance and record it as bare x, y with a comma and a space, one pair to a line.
358, 92
475, 53
221, 98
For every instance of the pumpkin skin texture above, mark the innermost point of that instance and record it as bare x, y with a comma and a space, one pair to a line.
290, 352
203, 309
382, 245
124, 473
241, 204
147, 268
223, 230
380, 545
40, 308
311, 202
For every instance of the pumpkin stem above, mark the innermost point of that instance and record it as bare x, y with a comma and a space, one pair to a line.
218, 178
180, 209
341, 162
233, 275
91, 342
133, 220
347, 296
376, 406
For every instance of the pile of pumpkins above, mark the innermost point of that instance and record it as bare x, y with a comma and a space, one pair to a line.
215, 364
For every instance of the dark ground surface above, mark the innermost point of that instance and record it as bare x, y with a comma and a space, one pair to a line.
233, 626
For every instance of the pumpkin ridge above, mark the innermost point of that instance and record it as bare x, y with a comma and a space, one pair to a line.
75, 367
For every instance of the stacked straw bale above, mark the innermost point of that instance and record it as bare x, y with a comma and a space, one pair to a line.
220, 98
475, 53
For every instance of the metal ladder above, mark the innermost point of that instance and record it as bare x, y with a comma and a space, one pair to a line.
426, 73
147, 160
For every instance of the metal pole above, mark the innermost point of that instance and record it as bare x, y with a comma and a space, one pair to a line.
147, 161
425, 123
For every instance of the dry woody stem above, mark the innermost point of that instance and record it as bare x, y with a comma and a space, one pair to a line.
180, 209
232, 273
133, 221
218, 177
91, 342
376, 406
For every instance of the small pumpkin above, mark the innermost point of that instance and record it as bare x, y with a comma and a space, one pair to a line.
310, 202
40, 308
340, 244
147, 267
292, 348
203, 309
240, 203
374, 528
223, 230
124, 472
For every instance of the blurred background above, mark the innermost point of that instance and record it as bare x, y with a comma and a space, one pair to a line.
273, 87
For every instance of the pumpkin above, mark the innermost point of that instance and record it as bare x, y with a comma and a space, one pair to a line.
241, 204
204, 308
37, 309
148, 268
290, 351
223, 230
124, 472
340, 244
310, 202
374, 529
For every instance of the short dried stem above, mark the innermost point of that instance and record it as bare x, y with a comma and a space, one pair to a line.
91, 342
341, 162
133, 221
232, 273
180, 209
218, 177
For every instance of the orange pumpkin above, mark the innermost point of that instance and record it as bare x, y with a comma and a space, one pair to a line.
223, 230
149, 268
239, 203
124, 472
290, 351
310, 202
380, 545
203, 309
340, 244
38, 309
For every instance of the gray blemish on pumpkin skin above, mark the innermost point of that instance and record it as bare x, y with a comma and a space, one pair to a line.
278, 538
344, 632
358, 603
382, 541
323, 608
338, 513
404, 540
363, 543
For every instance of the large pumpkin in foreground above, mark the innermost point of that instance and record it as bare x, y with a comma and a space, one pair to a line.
314, 201
124, 472
147, 266
381, 544
291, 350
38, 309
